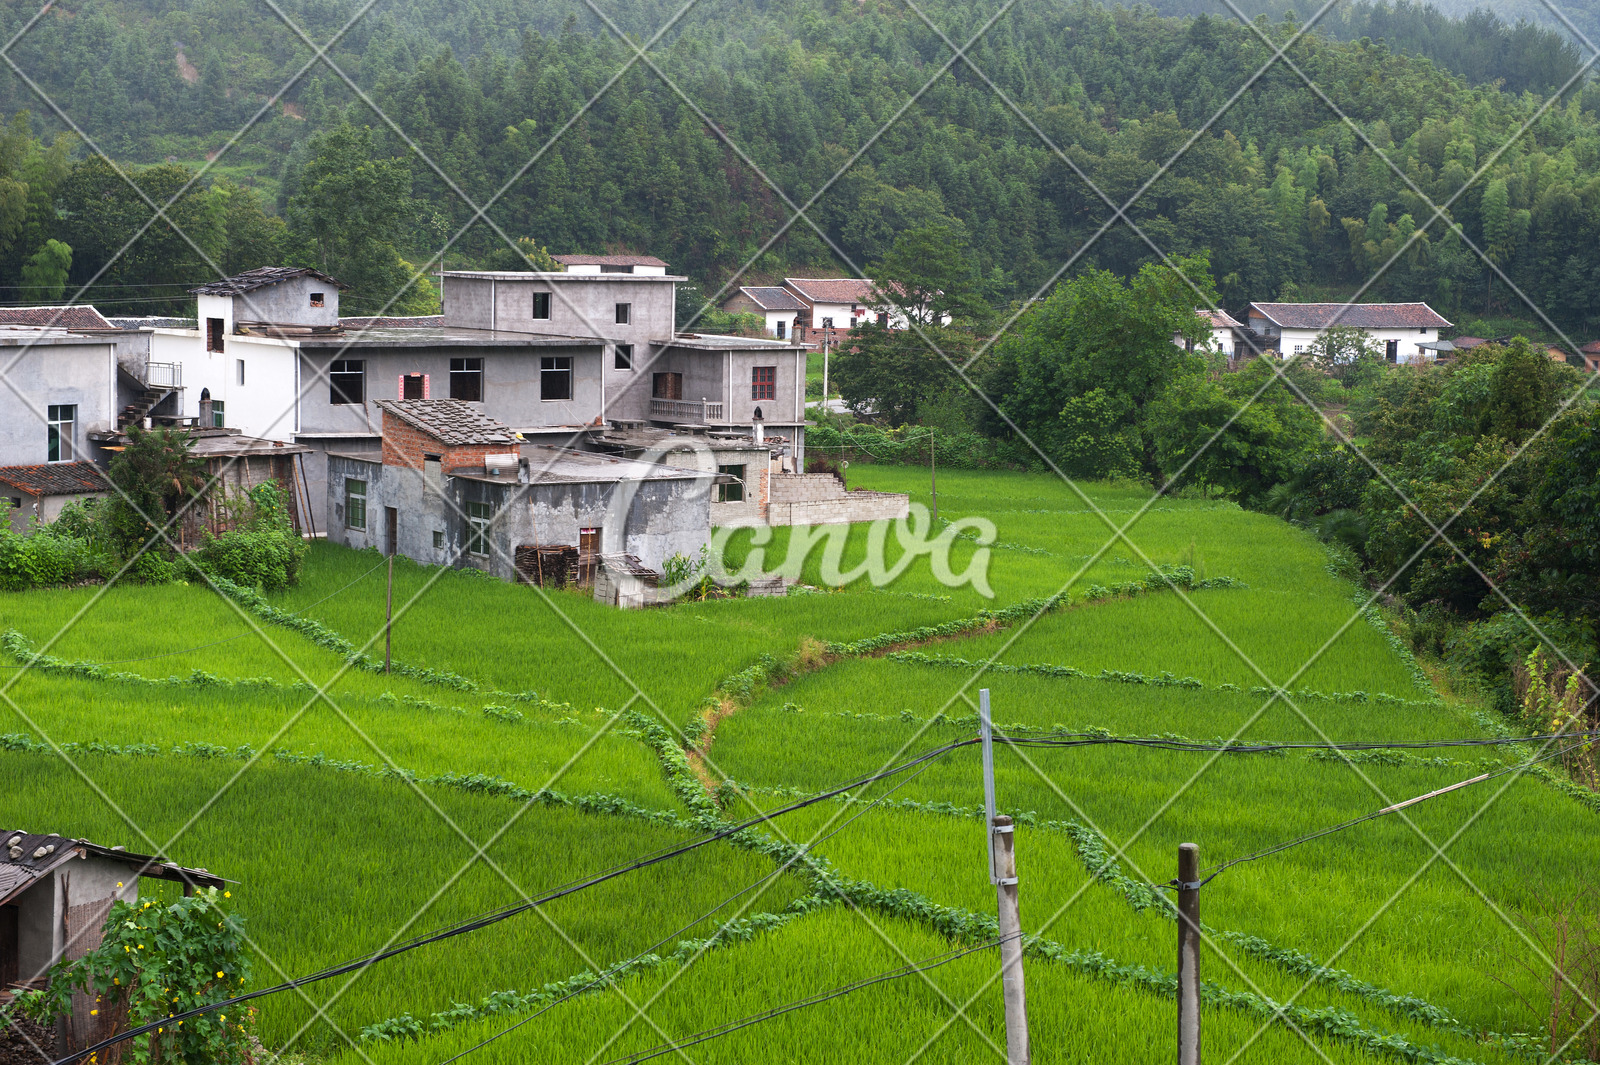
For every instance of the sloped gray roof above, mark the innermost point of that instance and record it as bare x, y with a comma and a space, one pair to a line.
773, 298
608, 260
39, 853
260, 277
451, 421
77, 316
1359, 315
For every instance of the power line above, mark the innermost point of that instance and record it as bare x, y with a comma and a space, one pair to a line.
607, 976
812, 1000
495, 917
1216, 870
1045, 738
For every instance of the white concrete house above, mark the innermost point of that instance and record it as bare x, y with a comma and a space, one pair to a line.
779, 307
1400, 330
1224, 337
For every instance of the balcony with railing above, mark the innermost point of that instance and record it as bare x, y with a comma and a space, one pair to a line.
686, 411
163, 374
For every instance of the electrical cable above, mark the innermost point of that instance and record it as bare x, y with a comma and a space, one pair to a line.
728, 1028
606, 977
1046, 738
495, 917
1216, 870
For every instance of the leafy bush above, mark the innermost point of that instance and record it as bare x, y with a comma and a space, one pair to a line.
263, 551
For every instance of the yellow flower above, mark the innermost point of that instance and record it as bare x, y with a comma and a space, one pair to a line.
227, 894
219, 976
93, 1013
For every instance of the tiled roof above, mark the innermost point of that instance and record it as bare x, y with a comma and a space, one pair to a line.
1468, 343
81, 316
423, 321
854, 290
1591, 348
773, 298
1221, 320
608, 260
155, 322
260, 277
56, 478
451, 421
26, 857
1359, 315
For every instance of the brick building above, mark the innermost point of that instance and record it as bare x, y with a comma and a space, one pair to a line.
451, 432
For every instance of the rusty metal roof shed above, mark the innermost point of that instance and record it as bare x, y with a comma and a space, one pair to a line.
55, 479
260, 277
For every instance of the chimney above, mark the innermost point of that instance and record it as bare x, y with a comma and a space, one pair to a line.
205, 408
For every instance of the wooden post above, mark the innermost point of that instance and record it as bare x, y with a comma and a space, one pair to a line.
388, 617
1002, 840
1188, 954
933, 478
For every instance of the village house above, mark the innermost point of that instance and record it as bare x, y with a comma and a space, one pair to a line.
779, 308
36, 494
1590, 354
55, 893
1402, 331
1226, 334
62, 397
455, 487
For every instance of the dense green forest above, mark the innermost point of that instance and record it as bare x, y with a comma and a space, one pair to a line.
1286, 198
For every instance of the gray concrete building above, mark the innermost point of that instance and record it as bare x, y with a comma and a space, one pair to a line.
60, 397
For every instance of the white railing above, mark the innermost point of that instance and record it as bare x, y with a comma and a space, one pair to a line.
690, 411
164, 374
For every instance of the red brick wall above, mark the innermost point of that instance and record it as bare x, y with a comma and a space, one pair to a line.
405, 445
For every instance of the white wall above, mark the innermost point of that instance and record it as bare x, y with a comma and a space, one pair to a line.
1292, 341
265, 406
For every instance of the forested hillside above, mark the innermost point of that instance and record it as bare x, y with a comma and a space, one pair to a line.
1285, 197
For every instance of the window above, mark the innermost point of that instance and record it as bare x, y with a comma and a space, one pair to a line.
541, 305
624, 313
555, 377
217, 420
466, 380
414, 386
438, 540
479, 515
61, 438
624, 359
731, 493
355, 503
606, 268
238, 364
1299, 349
666, 386
782, 328
213, 334
347, 381
317, 299
763, 382
827, 323
1391, 351
883, 319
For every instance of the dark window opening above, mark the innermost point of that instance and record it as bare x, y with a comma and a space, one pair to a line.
624, 359
1392, 351
479, 515
780, 329
541, 305
731, 493
555, 377
609, 269
763, 382
624, 313
61, 435
213, 334
316, 299
438, 540
883, 319
239, 365
217, 420
666, 386
466, 380
414, 386
347, 381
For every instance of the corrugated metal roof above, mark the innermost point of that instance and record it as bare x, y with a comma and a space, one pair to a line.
772, 298
56, 478
451, 421
1360, 315
260, 277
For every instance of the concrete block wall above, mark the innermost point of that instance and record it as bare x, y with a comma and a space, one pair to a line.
848, 507
803, 487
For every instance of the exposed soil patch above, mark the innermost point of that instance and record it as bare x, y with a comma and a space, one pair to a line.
187, 70
15, 1048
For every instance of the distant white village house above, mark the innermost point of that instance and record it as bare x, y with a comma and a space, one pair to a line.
1404, 332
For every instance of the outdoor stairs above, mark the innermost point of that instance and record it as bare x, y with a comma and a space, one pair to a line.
136, 412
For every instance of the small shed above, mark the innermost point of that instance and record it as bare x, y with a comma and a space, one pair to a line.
55, 893
623, 581
41, 491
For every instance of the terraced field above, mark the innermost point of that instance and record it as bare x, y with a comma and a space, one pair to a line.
261, 740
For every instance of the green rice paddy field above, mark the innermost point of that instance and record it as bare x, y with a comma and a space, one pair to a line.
350, 805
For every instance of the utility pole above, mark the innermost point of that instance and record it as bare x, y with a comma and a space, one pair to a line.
388, 615
1003, 874
1188, 954
933, 477
825, 371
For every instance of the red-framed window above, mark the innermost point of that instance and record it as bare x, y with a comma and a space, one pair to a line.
763, 382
